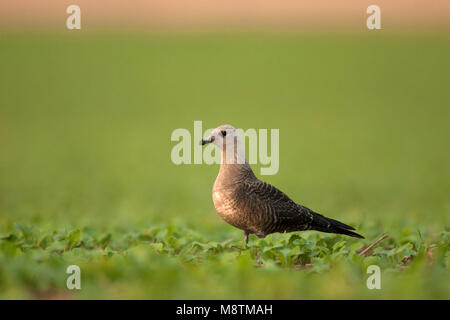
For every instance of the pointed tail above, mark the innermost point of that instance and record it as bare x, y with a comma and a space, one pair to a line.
324, 224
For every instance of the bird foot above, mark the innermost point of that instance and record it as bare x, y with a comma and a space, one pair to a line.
246, 237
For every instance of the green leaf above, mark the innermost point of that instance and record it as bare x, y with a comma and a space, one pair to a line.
74, 238
197, 244
293, 238
104, 240
26, 232
8, 237
295, 251
46, 241
173, 243
158, 247
339, 245
56, 246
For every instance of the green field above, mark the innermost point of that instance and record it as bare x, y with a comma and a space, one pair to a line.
86, 176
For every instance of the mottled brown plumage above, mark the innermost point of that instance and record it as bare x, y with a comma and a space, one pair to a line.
255, 206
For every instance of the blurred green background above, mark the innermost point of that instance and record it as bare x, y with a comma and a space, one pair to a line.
85, 126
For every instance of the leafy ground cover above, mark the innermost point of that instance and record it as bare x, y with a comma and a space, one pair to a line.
176, 262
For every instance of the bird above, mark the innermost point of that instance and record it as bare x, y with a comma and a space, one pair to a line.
254, 206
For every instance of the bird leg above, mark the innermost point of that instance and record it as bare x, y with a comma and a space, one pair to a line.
246, 237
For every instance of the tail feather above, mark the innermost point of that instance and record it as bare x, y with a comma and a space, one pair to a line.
340, 224
324, 224
346, 232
